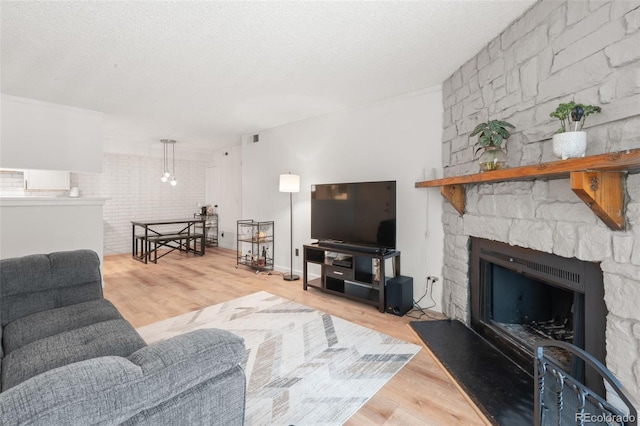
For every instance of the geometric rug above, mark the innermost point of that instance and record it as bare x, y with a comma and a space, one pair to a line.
303, 366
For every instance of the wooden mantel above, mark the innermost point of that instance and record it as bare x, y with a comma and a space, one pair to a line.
598, 180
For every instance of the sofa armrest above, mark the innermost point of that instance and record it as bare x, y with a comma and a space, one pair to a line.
209, 349
110, 390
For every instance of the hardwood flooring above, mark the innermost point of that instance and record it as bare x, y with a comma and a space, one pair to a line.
420, 394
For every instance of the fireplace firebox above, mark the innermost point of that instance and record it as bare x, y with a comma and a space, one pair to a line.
520, 296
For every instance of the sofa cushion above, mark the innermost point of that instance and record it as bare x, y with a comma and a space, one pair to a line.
49, 323
114, 337
42, 282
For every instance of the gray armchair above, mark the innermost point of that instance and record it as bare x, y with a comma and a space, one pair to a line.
68, 356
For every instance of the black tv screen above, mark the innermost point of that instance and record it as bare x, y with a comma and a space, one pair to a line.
362, 213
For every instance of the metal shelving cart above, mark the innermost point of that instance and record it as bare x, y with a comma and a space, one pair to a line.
255, 244
210, 228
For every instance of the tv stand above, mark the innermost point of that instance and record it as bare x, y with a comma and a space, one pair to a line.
360, 281
339, 245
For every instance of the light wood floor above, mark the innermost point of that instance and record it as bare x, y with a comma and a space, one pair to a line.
420, 394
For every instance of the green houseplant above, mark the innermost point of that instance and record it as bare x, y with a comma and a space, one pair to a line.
491, 136
570, 141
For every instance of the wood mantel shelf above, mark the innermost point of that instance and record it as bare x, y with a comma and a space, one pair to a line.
598, 180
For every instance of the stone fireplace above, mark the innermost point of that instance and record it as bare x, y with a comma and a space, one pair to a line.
556, 52
521, 296
545, 217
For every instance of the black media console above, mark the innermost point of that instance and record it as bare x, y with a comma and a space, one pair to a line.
340, 246
354, 274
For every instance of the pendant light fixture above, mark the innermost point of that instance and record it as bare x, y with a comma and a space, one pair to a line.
168, 175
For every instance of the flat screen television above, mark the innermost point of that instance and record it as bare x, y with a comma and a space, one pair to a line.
361, 213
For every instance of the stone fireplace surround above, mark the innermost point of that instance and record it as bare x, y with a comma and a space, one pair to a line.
557, 51
546, 216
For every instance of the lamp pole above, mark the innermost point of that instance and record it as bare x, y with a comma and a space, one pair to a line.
291, 277
290, 183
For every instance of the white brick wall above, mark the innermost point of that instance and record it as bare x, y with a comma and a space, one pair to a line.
556, 51
11, 183
134, 191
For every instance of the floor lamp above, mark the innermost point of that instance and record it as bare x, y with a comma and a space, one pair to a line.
290, 183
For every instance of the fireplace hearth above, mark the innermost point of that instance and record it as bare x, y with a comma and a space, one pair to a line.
521, 296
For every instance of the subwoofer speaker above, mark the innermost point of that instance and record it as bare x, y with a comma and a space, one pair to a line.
398, 295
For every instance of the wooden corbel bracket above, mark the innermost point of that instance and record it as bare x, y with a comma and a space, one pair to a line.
603, 192
455, 195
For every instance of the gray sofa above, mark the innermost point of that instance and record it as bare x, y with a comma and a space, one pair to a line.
69, 358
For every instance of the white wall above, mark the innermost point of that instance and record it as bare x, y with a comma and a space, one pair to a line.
34, 225
396, 139
45, 136
224, 189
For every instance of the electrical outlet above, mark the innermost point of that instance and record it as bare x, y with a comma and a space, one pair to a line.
297, 252
432, 279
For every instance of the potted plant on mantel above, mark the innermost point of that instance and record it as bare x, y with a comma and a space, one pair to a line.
491, 136
570, 141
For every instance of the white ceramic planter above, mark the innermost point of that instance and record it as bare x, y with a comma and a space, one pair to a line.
570, 144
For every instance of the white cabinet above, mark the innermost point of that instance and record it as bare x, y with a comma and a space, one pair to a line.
46, 180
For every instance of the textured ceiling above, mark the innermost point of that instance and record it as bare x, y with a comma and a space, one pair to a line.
205, 73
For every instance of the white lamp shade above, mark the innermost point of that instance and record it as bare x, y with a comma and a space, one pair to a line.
289, 183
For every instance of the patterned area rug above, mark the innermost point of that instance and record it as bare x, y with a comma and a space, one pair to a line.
304, 367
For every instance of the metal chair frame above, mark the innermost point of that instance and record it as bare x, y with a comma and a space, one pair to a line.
607, 414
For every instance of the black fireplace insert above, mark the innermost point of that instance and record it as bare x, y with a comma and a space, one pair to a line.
520, 296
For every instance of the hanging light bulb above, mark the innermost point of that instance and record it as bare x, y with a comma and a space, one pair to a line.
173, 182
167, 174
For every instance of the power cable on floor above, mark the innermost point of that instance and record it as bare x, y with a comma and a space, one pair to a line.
416, 304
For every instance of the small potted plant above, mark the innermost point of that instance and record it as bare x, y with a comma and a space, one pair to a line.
570, 141
491, 135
